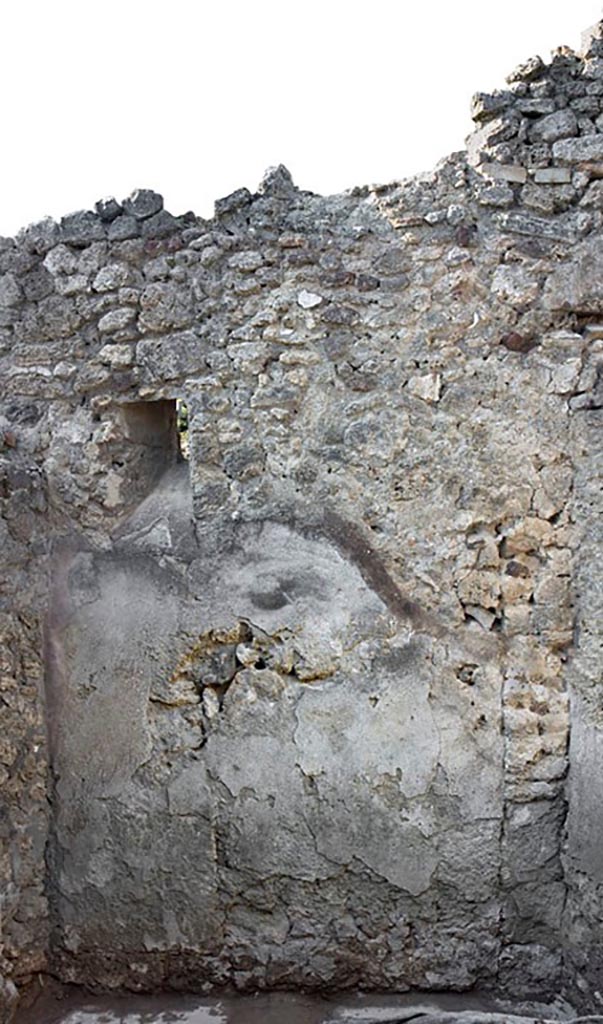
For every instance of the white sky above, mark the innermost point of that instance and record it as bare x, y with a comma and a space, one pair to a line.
195, 98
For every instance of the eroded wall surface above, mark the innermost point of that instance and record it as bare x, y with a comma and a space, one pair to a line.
321, 704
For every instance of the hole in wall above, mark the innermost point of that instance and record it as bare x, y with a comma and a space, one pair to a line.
150, 423
149, 445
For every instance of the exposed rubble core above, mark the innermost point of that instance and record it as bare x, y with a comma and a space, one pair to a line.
318, 707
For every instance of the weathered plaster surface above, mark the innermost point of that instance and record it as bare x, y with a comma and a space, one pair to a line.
309, 695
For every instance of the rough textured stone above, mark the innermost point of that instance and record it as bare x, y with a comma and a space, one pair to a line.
528, 71
485, 106
560, 125
578, 284
82, 228
122, 227
116, 319
515, 285
10, 292
108, 209
582, 150
143, 203
294, 712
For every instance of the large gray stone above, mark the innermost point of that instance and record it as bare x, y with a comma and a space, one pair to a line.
578, 285
586, 149
562, 124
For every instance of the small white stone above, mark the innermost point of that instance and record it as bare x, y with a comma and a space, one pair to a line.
116, 320
428, 387
111, 277
60, 260
456, 214
71, 284
308, 299
457, 256
64, 370
116, 355
247, 655
513, 285
483, 616
435, 216
565, 377
211, 703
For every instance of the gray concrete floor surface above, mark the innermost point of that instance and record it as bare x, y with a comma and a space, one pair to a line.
76, 1007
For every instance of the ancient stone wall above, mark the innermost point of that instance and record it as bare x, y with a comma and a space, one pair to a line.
311, 695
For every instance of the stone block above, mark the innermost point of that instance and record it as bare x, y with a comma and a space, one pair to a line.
560, 125
79, 229
505, 172
552, 175
588, 149
143, 203
10, 290
487, 105
529, 71
108, 209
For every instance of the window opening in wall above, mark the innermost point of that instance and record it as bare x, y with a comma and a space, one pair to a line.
145, 447
182, 424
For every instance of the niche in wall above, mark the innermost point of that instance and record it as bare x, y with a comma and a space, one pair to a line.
149, 445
